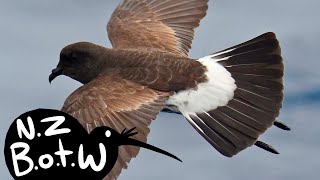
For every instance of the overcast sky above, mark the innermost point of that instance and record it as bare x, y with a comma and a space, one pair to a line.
32, 33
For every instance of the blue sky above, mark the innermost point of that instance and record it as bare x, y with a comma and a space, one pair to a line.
33, 32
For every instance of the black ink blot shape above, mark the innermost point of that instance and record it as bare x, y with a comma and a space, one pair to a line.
71, 142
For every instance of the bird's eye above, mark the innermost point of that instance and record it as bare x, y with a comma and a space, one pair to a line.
73, 56
108, 133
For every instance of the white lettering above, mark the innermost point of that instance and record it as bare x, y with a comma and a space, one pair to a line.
62, 153
22, 129
21, 156
48, 164
52, 130
90, 161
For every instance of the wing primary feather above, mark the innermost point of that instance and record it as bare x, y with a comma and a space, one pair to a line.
165, 25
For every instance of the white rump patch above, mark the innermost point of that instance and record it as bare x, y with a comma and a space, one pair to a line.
217, 91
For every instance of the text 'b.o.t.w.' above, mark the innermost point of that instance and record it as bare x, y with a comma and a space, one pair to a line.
49, 144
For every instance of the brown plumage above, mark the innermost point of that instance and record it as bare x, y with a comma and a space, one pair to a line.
166, 25
148, 71
117, 103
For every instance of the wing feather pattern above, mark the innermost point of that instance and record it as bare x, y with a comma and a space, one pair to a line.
119, 104
166, 25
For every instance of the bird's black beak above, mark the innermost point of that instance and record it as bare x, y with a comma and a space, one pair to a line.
55, 73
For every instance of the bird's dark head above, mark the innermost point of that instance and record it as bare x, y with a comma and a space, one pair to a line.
79, 61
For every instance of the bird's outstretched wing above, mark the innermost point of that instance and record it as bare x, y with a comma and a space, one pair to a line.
119, 104
166, 25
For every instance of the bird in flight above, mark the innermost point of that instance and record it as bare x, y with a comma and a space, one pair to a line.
230, 97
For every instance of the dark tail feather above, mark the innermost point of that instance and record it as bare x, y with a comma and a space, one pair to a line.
277, 124
257, 68
266, 147
282, 125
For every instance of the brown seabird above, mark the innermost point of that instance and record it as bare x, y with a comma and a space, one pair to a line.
230, 97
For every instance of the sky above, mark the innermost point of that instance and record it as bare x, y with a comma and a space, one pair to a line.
33, 32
